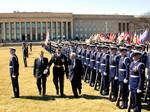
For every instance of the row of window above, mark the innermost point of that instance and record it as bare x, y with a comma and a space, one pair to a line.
41, 28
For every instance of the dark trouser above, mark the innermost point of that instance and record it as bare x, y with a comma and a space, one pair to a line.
87, 74
92, 77
97, 81
123, 90
114, 89
42, 81
58, 75
135, 101
76, 87
15, 86
25, 61
104, 87
147, 95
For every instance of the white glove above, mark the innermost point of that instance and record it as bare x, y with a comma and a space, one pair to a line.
45, 71
13, 76
138, 91
116, 77
129, 88
99, 70
105, 73
125, 81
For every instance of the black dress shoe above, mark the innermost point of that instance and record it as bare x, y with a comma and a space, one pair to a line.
80, 91
62, 95
57, 92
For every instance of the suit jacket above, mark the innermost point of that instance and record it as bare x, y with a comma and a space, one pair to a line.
75, 70
40, 66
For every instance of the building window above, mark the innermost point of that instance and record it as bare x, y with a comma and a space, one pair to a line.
123, 27
127, 27
64, 30
39, 30
119, 27
54, 29
17, 31
58, 29
33, 31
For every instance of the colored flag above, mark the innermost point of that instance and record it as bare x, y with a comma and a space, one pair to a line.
145, 36
47, 38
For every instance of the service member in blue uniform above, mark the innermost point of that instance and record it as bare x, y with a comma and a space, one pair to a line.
60, 67
113, 71
78, 51
83, 56
92, 66
104, 86
137, 69
129, 53
147, 95
87, 64
123, 77
14, 71
40, 64
25, 54
141, 48
97, 66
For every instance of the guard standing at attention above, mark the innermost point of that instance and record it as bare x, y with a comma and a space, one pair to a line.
14, 71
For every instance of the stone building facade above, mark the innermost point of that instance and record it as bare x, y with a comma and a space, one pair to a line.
20, 26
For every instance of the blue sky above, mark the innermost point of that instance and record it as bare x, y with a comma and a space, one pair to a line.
128, 7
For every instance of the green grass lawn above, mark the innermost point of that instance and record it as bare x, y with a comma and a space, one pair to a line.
30, 101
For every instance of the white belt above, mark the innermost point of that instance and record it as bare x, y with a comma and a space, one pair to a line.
97, 62
92, 60
123, 70
133, 76
87, 58
112, 66
10, 66
103, 64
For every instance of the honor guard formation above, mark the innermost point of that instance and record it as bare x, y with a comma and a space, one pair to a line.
120, 72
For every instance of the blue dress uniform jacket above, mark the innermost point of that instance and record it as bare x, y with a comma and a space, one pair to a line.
112, 66
14, 65
136, 71
87, 62
144, 57
14, 73
104, 64
104, 86
92, 59
98, 59
83, 56
124, 68
78, 52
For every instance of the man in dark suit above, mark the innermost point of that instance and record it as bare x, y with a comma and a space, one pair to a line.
75, 73
14, 71
40, 72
